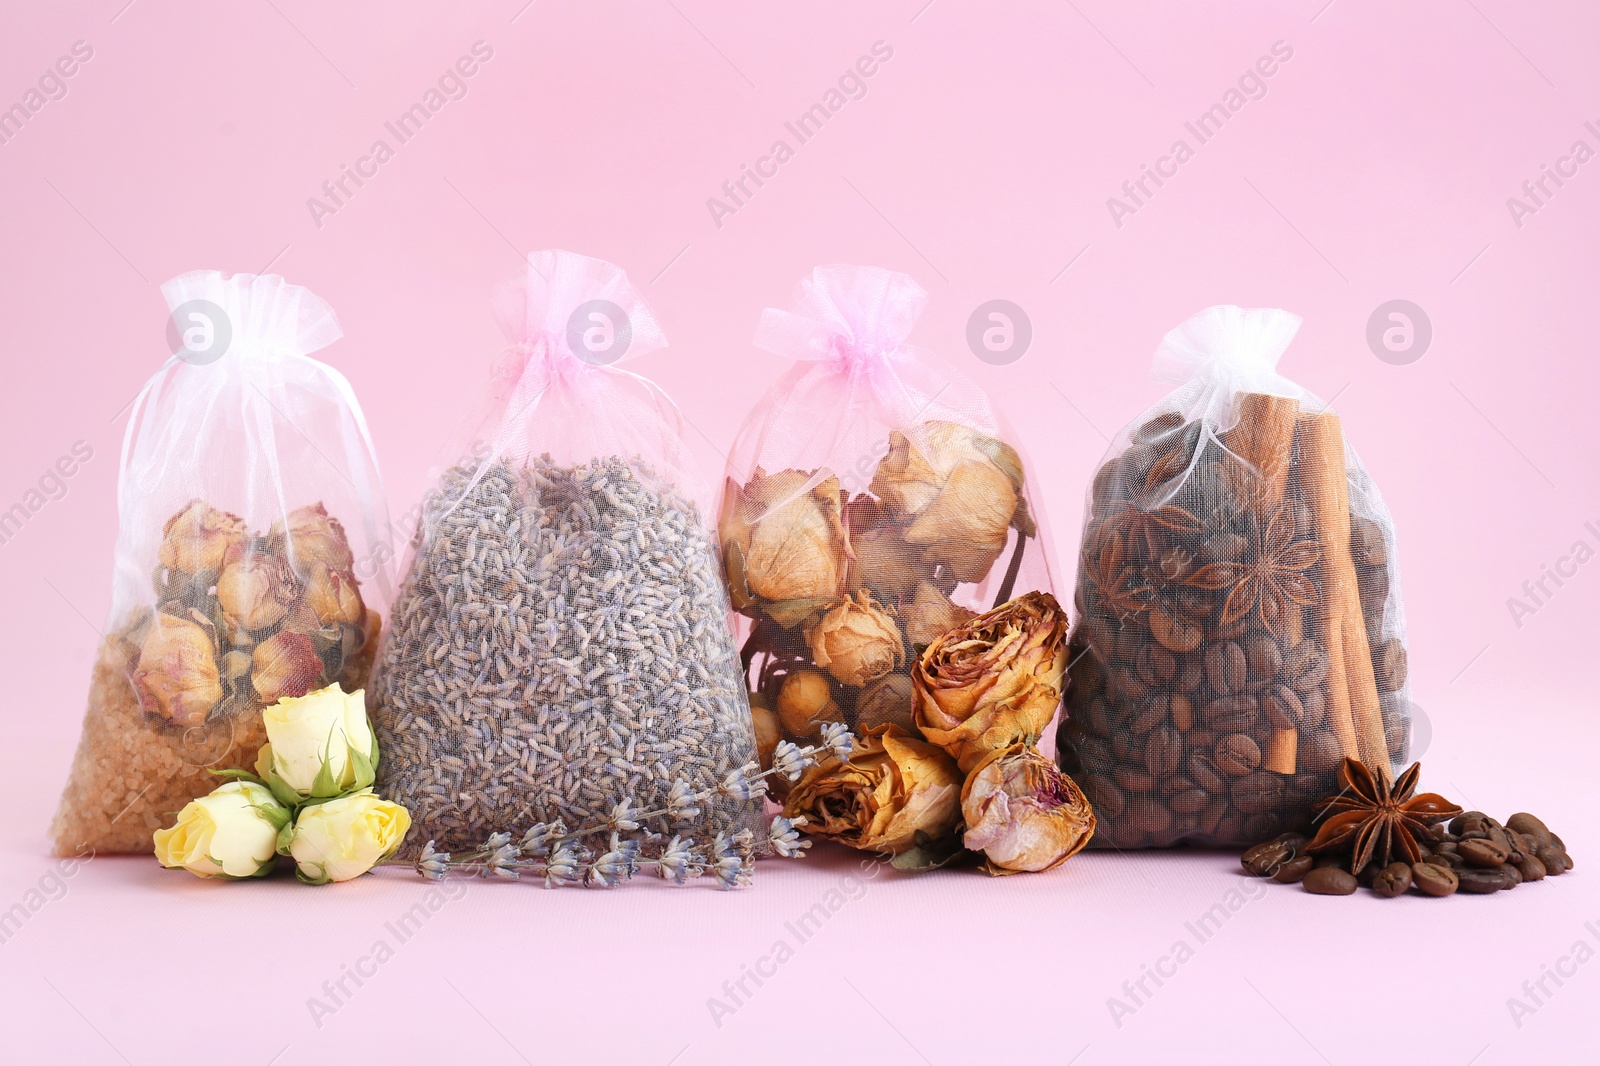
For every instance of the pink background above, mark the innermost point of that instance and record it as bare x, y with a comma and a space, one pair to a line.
1377, 167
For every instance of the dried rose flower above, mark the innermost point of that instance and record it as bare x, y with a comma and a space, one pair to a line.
285, 664
856, 641
960, 486
310, 535
931, 615
255, 589
879, 558
995, 681
1022, 812
891, 788
782, 541
334, 596
768, 731
177, 672
805, 702
198, 537
887, 701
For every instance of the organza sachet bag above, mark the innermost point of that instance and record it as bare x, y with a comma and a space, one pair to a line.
1239, 625
873, 502
559, 643
248, 565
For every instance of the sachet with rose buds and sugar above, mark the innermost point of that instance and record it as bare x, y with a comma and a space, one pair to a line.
249, 563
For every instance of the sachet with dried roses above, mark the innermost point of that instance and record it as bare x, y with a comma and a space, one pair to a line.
250, 558
875, 503
559, 642
1239, 625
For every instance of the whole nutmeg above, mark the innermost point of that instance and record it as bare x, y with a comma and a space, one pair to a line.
805, 702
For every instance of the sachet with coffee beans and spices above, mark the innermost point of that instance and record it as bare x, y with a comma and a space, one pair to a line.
1239, 629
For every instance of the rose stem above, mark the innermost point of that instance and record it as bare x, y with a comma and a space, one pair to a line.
1011, 571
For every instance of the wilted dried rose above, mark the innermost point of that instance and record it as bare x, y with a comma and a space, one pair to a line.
309, 535
931, 615
255, 589
334, 596
285, 664
887, 701
1022, 812
805, 702
177, 672
198, 537
880, 559
782, 541
995, 681
960, 486
891, 788
856, 641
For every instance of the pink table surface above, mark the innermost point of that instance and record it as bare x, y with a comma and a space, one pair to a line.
1378, 165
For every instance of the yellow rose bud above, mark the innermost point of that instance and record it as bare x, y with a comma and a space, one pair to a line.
346, 837
324, 735
198, 537
1023, 813
805, 702
177, 672
231, 833
856, 641
285, 664
994, 681
781, 540
890, 789
255, 590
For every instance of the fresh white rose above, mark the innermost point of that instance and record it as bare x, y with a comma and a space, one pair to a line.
325, 730
231, 833
346, 837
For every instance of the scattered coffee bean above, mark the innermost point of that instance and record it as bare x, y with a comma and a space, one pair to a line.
1486, 852
1237, 754
1556, 862
1264, 859
1480, 880
1294, 870
1392, 880
1531, 868
1329, 881
1434, 880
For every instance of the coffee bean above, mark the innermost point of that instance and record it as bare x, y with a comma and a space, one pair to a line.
1512, 874
1225, 668
1211, 816
1282, 707
1523, 822
1305, 667
1133, 780
1237, 754
1163, 750
1481, 881
1320, 752
1556, 862
1109, 800
1190, 673
1181, 709
1294, 870
1153, 714
1263, 658
1230, 714
1171, 784
1392, 880
1122, 746
1473, 820
1189, 802
1155, 665
1557, 842
1176, 632
1147, 815
1434, 880
1264, 859
1096, 719
1329, 881
1389, 665
1484, 852
1331, 860
1204, 772
1532, 869
1257, 793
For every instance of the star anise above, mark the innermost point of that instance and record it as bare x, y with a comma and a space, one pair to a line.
1121, 584
1372, 820
1149, 531
1272, 576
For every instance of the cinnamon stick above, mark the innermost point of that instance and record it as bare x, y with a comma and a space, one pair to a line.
1264, 438
1353, 706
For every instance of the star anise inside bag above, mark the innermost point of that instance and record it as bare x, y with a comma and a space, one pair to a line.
1370, 820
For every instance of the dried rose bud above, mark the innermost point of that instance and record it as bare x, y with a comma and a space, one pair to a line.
961, 489
856, 641
781, 540
1023, 813
887, 701
309, 535
767, 730
931, 615
334, 597
255, 589
995, 681
805, 702
177, 672
891, 788
198, 537
285, 664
